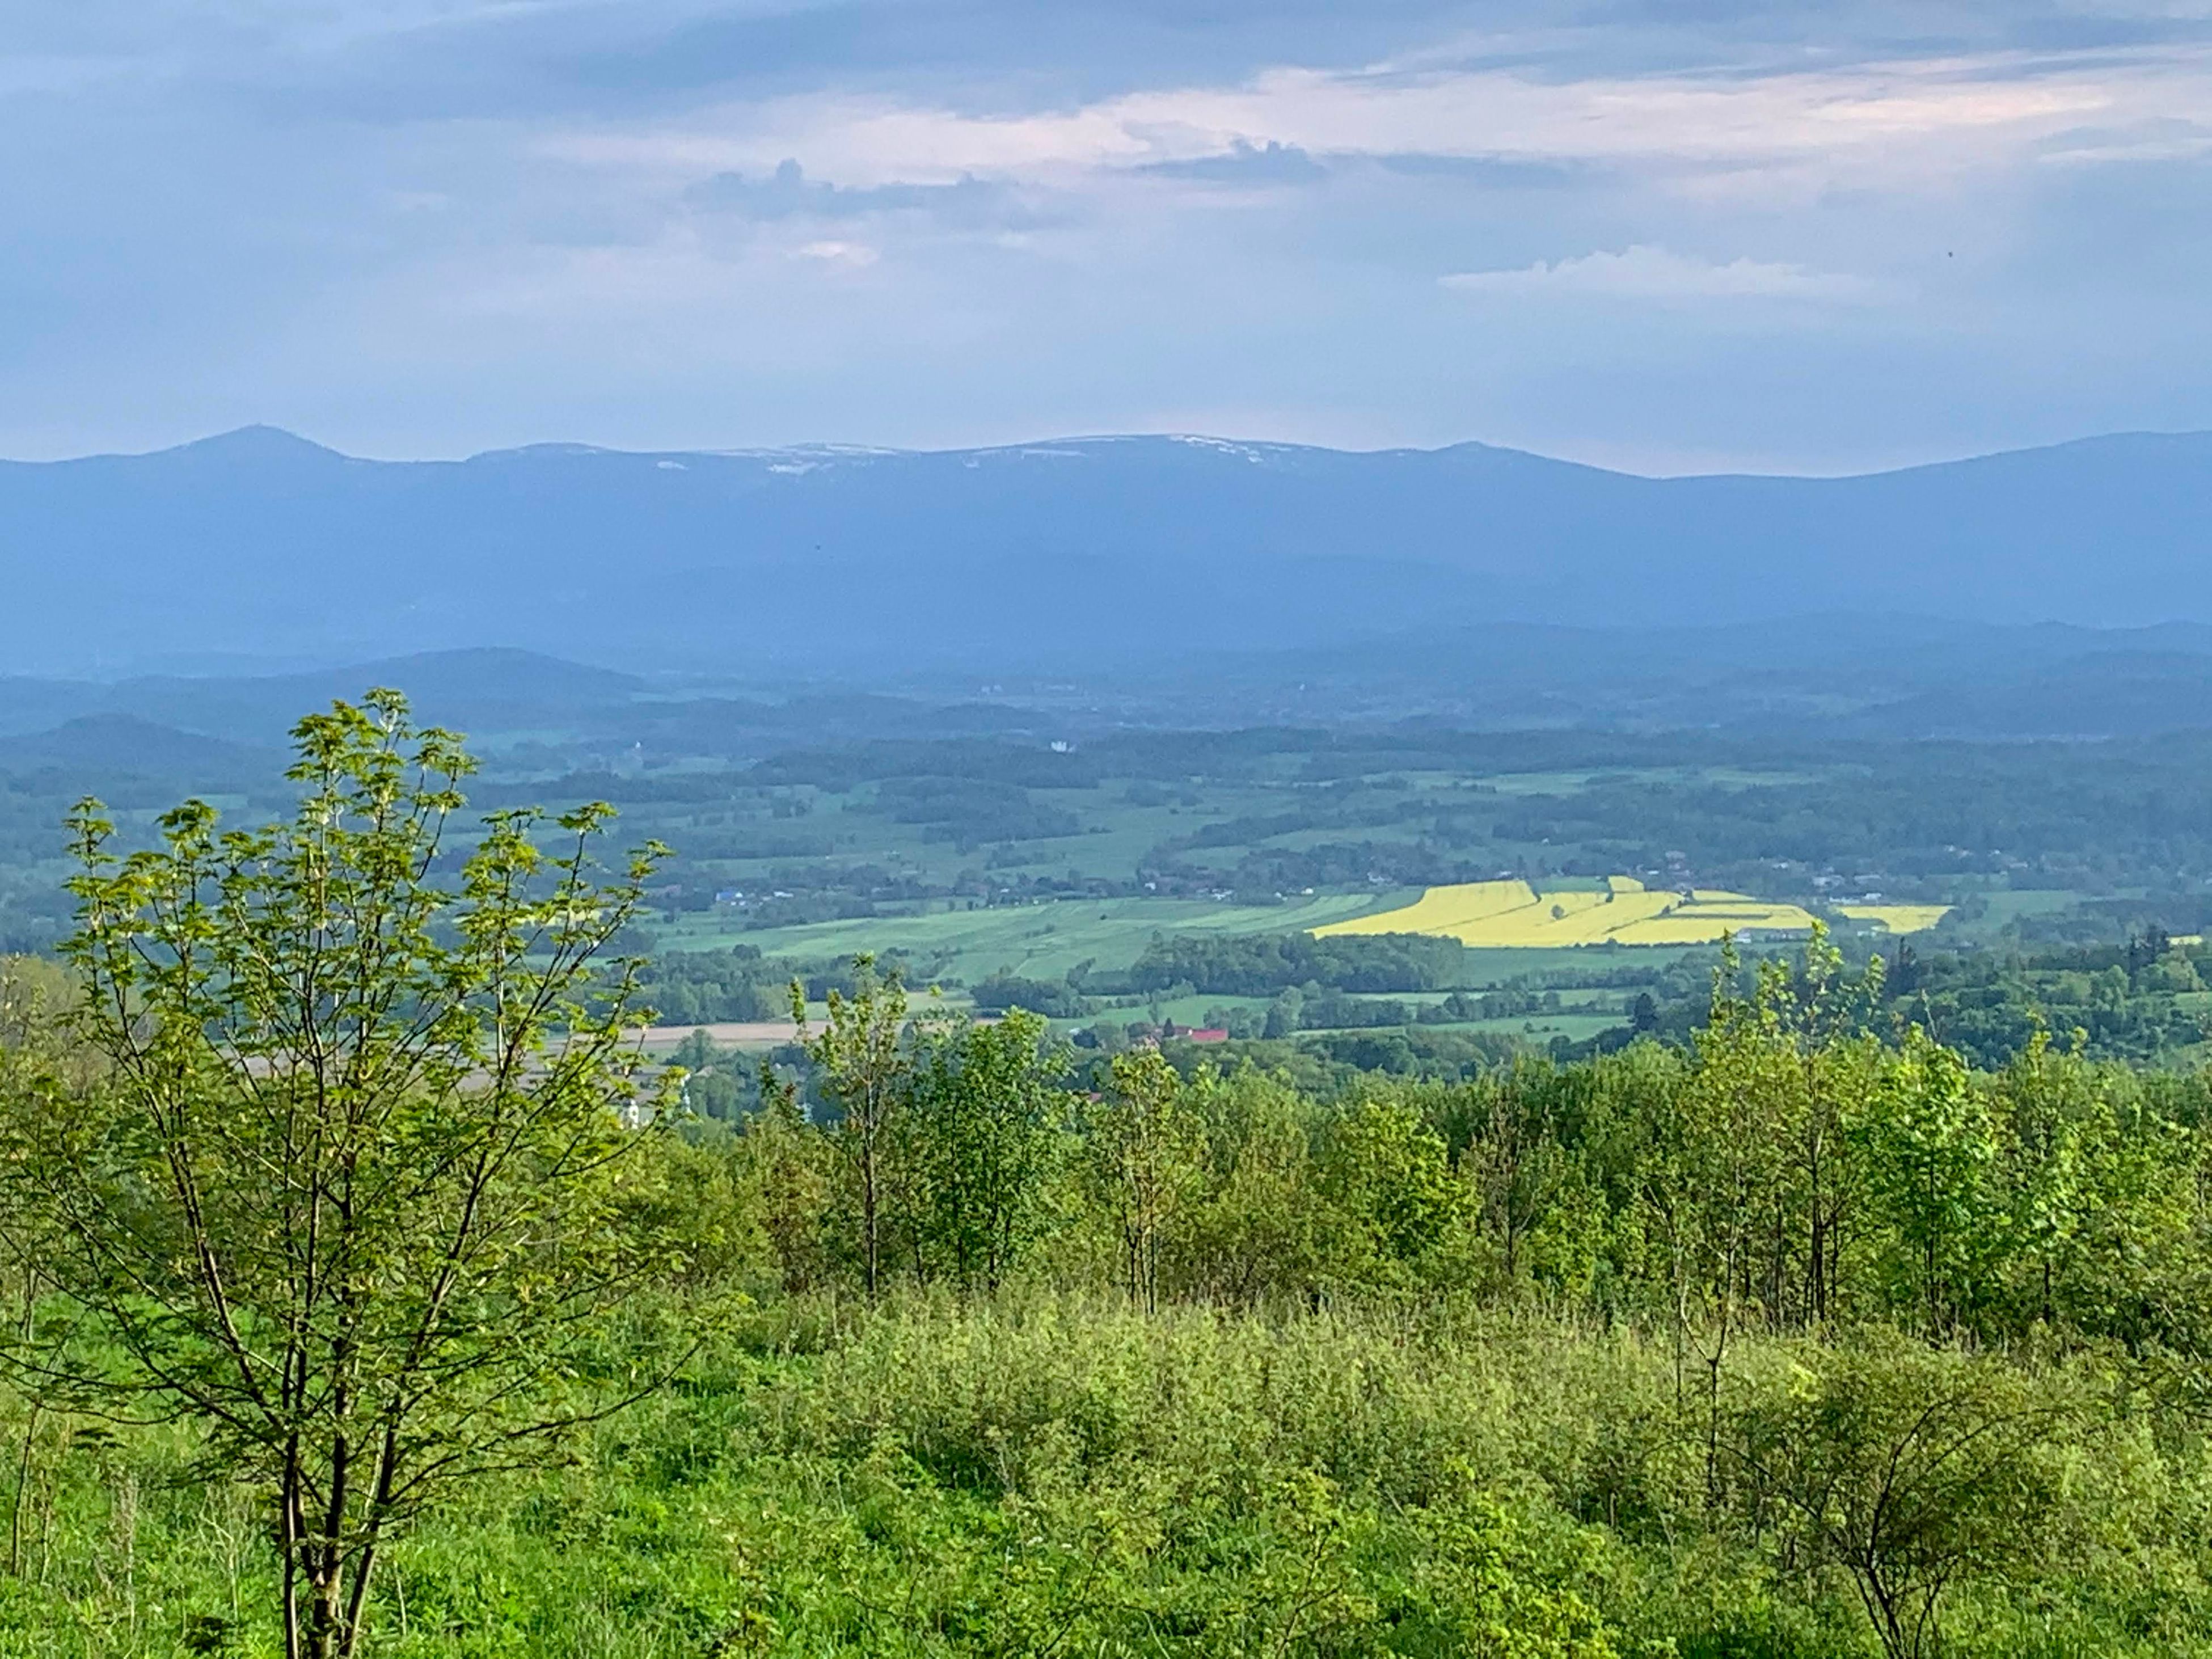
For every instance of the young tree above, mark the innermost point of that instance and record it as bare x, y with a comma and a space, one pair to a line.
1909, 1467
1929, 1145
2046, 1113
1717, 1180
345, 1198
1257, 1224
863, 1064
1390, 1174
984, 1114
1143, 1151
787, 1161
1818, 1014
1514, 1163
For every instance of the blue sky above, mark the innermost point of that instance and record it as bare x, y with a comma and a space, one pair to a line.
1706, 234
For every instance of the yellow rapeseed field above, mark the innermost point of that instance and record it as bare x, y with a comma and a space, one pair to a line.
1442, 910
1512, 913
1897, 918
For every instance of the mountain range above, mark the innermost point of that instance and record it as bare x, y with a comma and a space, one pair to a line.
1084, 554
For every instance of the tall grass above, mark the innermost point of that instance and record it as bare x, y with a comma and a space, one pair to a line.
1043, 1473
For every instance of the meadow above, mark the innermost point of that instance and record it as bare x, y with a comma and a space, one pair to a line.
1047, 1473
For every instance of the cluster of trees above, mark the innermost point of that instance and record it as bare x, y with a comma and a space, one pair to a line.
707, 987
1260, 964
1315, 983
968, 811
987, 760
2143, 1000
1266, 873
2062, 815
1058, 999
1789, 1178
1790, 1170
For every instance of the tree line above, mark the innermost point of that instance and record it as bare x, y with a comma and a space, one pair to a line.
1790, 1169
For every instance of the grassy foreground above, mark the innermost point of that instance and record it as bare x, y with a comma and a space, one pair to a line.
1047, 1473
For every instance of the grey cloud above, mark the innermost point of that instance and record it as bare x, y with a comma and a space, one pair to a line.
1246, 163
396, 61
377, 62
1497, 172
1024, 54
789, 193
2165, 140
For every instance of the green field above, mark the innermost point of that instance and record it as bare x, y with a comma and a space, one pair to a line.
936, 857
1044, 940
1581, 1016
1035, 941
2014, 904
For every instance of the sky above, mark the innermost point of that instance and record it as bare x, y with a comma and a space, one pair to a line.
1700, 235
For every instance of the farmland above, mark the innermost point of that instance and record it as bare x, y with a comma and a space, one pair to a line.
1045, 859
1897, 918
1578, 896
1514, 915
1580, 893
1043, 940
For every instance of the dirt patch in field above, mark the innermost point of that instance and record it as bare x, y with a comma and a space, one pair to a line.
730, 1034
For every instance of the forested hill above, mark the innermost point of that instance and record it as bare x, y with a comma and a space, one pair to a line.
1079, 552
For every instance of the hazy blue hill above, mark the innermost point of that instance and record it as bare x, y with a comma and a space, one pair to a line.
33, 705
2099, 694
487, 688
93, 747
1081, 552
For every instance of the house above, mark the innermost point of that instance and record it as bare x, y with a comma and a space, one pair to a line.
1172, 1032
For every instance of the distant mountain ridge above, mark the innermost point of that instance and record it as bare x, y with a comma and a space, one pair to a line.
1090, 552
1824, 679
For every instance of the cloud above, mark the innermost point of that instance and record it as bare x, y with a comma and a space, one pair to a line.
789, 193
1775, 131
1646, 272
2154, 141
1481, 171
1245, 163
474, 222
833, 251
